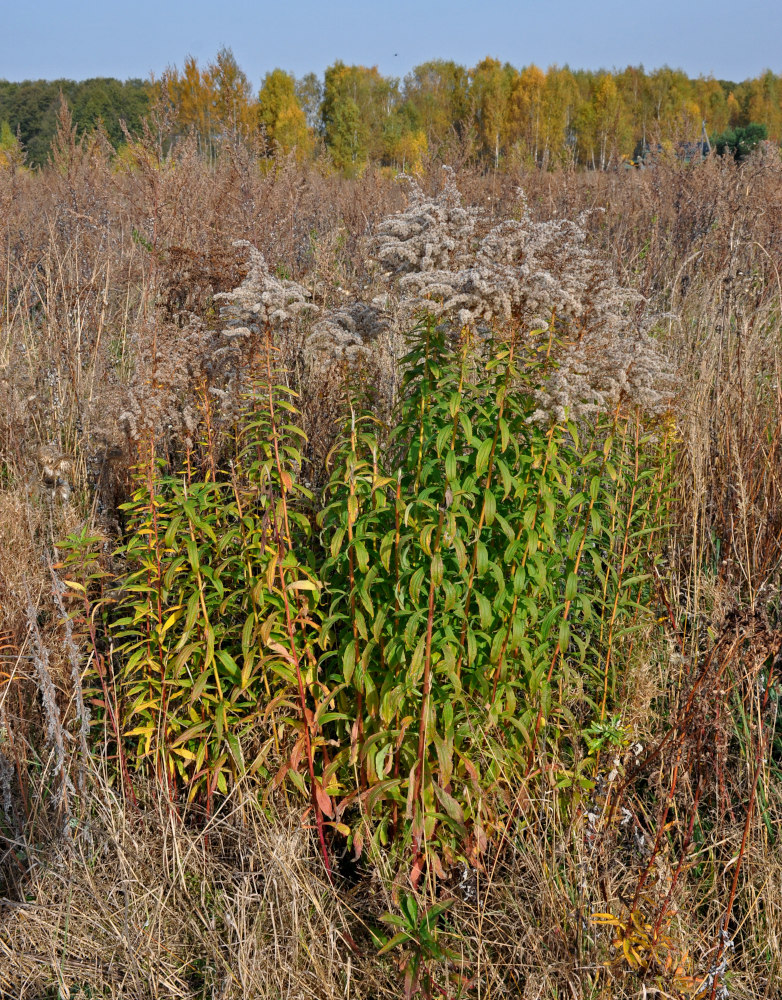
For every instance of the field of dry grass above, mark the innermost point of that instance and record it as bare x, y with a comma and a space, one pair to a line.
659, 878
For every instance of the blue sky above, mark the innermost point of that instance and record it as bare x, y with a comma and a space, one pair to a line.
79, 39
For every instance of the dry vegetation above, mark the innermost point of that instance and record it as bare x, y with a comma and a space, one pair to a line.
111, 335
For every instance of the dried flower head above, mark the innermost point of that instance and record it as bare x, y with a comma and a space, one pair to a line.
533, 278
541, 280
343, 333
262, 299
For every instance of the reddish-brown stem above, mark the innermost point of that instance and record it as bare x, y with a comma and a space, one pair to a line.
427, 678
284, 546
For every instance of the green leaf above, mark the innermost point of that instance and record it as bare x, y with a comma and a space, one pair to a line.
192, 554
361, 624
489, 506
247, 633
482, 458
298, 781
349, 661
397, 939
193, 607
236, 751
484, 610
409, 907
507, 480
220, 719
361, 555
210, 645
336, 542
416, 582
378, 623
417, 661
200, 684
504, 433
230, 664
437, 569
386, 548
472, 646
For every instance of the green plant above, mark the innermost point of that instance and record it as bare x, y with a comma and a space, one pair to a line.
481, 571
419, 935
608, 734
474, 576
212, 614
740, 141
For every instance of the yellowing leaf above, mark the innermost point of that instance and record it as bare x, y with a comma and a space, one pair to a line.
172, 618
141, 731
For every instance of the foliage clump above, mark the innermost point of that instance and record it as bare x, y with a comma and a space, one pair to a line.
740, 142
541, 279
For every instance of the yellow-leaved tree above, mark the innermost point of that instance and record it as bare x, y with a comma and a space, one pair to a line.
215, 102
281, 115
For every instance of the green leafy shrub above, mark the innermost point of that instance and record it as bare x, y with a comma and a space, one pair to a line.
480, 572
740, 141
212, 611
459, 608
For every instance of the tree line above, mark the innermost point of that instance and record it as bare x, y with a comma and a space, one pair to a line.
491, 113
28, 110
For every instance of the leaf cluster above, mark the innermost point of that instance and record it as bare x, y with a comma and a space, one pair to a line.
456, 610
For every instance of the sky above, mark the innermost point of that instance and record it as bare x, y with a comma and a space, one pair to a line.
77, 39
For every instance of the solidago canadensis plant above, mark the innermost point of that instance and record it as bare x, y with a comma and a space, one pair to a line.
407, 647
457, 608
213, 618
480, 571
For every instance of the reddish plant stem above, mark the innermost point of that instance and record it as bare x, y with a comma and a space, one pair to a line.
284, 544
427, 679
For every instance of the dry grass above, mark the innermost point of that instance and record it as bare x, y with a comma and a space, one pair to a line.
137, 906
109, 272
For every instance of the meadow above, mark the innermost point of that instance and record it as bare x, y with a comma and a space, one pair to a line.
389, 578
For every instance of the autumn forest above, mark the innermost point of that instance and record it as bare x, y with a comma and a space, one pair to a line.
491, 113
